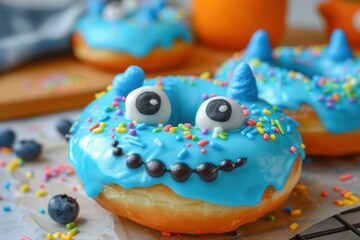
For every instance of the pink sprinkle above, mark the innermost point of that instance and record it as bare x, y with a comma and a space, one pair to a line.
336, 188
188, 144
224, 84
25, 238
345, 177
111, 130
89, 120
282, 119
212, 95
112, 135
115, 103
188, 136
2, 163
324, 194
329, 104
276, 129
203, 150
202, 143
73, 188
266, 136
243, 106
62, 178
167, 128
1, 198
188, 125
95, 125
292, 149
41, 185
123, 99
344, 191
115, 118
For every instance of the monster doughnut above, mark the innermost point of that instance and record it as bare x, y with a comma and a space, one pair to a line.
118, 33
185, 154
318, 86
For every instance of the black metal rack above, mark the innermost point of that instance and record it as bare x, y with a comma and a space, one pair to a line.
346, 226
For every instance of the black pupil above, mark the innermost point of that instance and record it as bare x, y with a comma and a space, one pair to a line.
148, 103
218, 110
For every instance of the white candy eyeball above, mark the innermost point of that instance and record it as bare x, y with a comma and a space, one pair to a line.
114, 10
220, 112
148, 105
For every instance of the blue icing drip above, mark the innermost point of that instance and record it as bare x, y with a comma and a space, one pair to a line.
243, 84
338, 49
332, 88
128, 81
259, 47
268, 162
132, 35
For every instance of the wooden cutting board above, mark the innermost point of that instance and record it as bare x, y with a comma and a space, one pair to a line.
62, 82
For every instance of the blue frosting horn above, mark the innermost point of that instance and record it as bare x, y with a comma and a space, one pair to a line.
128, 81
338, 48
243, 84
259, 47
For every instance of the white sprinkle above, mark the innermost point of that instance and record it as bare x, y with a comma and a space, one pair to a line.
158, 143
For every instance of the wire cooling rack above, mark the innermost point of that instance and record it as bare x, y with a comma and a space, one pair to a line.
341, 219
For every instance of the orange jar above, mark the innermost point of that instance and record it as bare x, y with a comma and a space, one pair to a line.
229, 24
343, 14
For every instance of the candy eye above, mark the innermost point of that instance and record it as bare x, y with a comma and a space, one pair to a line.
148, 105
220, 112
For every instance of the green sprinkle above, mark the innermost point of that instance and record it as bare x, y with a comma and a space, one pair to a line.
222, 136
195, 138
278, 124
75, 230
156, 130
70, 225
183, 127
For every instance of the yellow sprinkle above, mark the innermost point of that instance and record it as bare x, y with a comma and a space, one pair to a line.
50, 236
159, 87
173, 130
121, 129
267, 112
41, 193
25, 188
12, 165
135, 122
109, 87
103, 124
300, 187
354, 199
348, 195
348, 202
302, 146
260, 130
255, 62
187, 132
58, 234
100, 94
273, 137
70, 234
295, 212
28, 174
98, 130
293, 226
216, 82
259, 124
205, 75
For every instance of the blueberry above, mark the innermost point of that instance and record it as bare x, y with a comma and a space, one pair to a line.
7, 138
63, 126
27, 150
63, 209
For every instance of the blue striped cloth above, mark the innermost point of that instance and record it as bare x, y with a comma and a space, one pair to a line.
27, 31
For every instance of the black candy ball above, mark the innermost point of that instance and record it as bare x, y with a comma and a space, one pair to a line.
27, 150
63, 126
7, 138
63, 209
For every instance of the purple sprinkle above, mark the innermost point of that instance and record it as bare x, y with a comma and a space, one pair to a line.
320, 97
351, 99
330, 99
117, 98
119, 112
329, 104
45, 177
205, 131
204, 96
131, 125
132, 132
